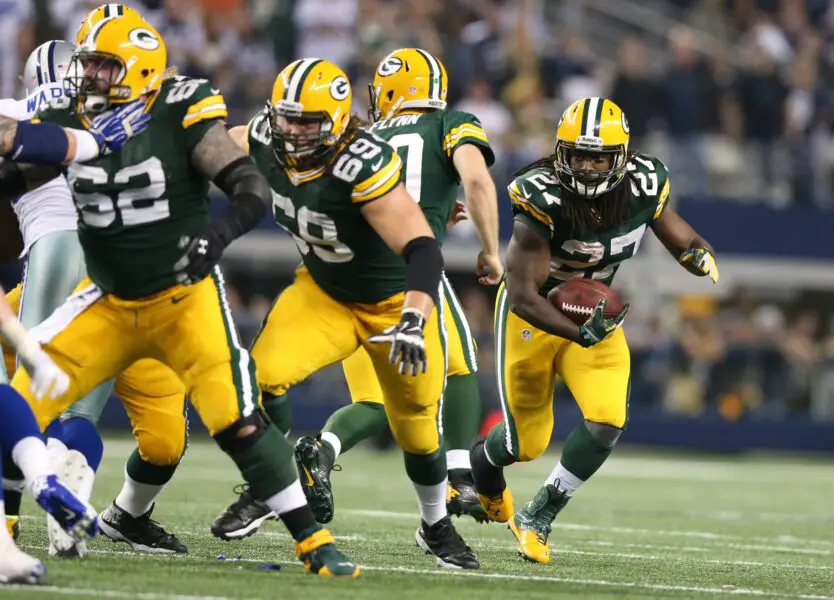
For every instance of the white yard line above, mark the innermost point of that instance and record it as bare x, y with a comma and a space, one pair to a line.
100, 593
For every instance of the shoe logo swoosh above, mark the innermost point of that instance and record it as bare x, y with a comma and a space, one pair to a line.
310, 482
178, 299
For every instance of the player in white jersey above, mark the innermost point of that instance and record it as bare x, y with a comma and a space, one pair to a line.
54, 266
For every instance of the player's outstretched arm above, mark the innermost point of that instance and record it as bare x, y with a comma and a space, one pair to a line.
482, 204
528, 265
18, 178
220, 159
11, 241
692, 251
398, 220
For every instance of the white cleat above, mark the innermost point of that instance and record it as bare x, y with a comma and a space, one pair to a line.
72, 469
18, 567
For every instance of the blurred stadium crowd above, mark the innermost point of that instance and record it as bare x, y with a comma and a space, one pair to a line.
737, 96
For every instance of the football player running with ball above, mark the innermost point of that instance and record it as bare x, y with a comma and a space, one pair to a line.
151, 249
578, 213
371, 278
440, 149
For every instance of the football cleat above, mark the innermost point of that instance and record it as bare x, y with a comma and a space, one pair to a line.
18, 567
531, 526
142, 533
13, 526
442, 541
461, 498
76, 518
314, 467
72, 468
320, 555
242, 517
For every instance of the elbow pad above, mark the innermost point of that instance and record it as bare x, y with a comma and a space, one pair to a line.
249, 193
424, 266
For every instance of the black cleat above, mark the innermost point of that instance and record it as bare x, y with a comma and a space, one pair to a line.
461, 498
314, 466
442, 541
142, 533
242, 517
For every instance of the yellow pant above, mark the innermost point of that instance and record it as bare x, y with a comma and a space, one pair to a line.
153, 397
460, 346
94, 337
307, 330
527, 361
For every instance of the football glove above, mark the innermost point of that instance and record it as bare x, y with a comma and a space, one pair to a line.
408, 347
702, 261
47, 378
115, 127
597, 327
202, 253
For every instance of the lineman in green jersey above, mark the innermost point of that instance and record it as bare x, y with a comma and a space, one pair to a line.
441, 149
151, 249
578, 213
370, 278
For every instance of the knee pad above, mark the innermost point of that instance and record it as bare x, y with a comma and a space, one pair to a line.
531, 448
416, 436
605, 436
233, 440
160, 451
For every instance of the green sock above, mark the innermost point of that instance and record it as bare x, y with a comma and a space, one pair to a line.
582, 455
141, 471
461, 412
426, 469
356, 422
267, 465
279, 411
496, 446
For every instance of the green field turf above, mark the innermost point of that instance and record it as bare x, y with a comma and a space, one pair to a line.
650, 525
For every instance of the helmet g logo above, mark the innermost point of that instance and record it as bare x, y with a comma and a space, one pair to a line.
339, 88
144, 39
626, 127
389, 66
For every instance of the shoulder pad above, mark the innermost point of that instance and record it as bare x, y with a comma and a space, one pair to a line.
536, 194
258, 130
194, 100
649, 181
370, 164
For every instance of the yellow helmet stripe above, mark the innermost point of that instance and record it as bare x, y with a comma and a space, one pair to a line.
436, 74
297, 77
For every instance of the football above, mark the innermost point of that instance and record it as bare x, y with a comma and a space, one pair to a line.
577, 299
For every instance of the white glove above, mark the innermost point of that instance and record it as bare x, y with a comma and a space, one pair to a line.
46, 376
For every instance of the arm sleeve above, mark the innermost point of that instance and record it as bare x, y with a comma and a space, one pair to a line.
464, 128
379, 174
197, 106
526, 210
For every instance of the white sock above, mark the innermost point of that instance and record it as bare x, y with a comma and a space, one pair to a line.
290, 498
567, 480
4, 533
56, 449
137, 498
458, 459
334, 441
31, 457
432, 501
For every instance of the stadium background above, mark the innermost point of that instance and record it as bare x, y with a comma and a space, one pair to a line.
737, 96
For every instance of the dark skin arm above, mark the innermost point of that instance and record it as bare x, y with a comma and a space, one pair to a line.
34, 176
11, 242
528, 265
678, 236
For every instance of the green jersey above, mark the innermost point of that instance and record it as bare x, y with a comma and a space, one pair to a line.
426, 143
134, 205
321, 209
536, 196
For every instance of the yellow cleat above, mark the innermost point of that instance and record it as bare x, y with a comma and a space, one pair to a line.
319, 554
13, 525
499, 509
532, 544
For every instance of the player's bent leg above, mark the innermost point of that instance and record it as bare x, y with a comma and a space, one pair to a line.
461, 409
304, 331
154, 398
598, 378
413, 406
525, 375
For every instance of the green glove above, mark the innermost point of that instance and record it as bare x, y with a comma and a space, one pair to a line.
597, 327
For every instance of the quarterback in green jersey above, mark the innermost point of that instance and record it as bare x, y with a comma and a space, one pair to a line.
151, 248
441, 151
578, 214
370, 279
